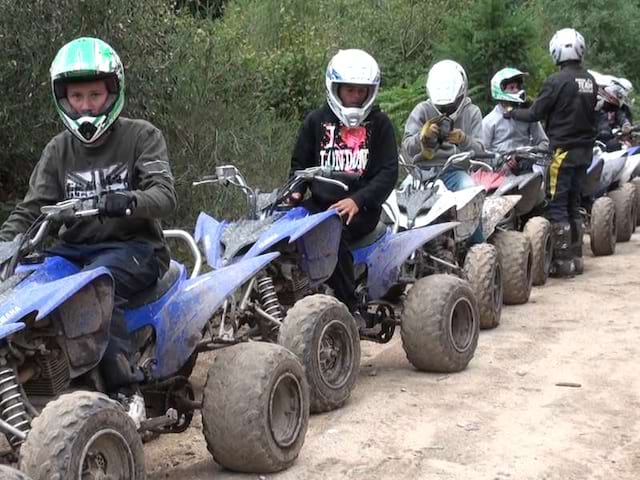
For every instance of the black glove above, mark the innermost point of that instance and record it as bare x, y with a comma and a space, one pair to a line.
116, 204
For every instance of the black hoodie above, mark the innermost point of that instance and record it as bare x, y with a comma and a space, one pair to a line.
369, 150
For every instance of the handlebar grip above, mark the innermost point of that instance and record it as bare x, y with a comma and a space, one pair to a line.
484, 156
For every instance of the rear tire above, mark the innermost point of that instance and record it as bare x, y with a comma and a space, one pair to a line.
624, 199
516, 259
83, 433
255, 408
484, 273
636, 183
440, 324
538, 230
321, 332
602, 228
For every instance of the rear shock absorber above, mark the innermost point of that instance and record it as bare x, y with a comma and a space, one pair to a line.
269, 299
12, 407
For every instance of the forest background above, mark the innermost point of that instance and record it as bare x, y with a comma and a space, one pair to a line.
229, 81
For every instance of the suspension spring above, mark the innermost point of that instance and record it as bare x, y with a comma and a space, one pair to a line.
12, 408
269, 299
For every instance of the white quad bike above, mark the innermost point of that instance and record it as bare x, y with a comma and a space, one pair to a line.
529, 183
498, 269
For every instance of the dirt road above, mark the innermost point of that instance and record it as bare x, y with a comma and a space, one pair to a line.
504, 418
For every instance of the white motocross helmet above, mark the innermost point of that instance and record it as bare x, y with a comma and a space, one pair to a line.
567, 45
447, 87
354, 67
626, 87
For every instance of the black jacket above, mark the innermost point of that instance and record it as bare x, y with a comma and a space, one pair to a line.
369, 150
607, 121
566, 106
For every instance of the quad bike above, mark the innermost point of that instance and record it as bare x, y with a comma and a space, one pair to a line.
424, 200
54, 327
609, 206
439, 316
526, 218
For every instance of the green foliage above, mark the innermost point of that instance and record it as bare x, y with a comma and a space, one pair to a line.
490, 35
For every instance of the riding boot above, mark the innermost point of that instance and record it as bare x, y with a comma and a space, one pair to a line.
577, 230
562, 264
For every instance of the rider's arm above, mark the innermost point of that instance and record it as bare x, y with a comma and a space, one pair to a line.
488, 125
473, 132
44, 189
411, 139
153, 186
382, 173
303, 152
540, 108
539, 139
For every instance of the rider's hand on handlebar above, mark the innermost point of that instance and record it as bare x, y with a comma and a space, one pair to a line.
116, 204
456, 136
346, 207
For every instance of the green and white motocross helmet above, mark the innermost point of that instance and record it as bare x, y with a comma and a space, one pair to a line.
87, 59
502, 78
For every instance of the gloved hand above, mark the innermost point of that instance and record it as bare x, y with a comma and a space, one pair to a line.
116, 204
511, 165
429, 134
456, 136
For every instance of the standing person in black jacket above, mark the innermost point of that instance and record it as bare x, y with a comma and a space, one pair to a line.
566, 105
349, 134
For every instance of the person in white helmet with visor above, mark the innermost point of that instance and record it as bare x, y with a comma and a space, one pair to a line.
349, 134
502, 135
116, 164
566, 106
610, 112
446, 123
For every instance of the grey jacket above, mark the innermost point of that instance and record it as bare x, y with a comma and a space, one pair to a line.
468, 119
503, 135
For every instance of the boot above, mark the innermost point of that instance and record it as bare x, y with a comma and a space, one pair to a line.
562, 265
577, 231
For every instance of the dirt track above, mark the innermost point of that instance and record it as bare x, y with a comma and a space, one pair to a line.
504, 418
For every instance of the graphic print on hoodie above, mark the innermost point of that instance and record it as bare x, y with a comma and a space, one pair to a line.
345, 149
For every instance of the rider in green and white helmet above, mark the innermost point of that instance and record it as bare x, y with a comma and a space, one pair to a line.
502, 135
86, 60
119, 165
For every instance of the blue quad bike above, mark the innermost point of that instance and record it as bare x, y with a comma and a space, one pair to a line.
438, 318
54, 329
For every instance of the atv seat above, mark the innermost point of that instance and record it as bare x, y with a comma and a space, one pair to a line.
161, 287
370, 238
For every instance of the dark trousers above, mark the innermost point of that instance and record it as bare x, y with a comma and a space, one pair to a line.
343, 281
565, 178
134, 268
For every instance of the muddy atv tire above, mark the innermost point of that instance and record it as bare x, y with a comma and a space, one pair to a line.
602, 228
322, 333
83, 435
538, 231
8, 473
484, 273
624, 199
255, 408
516, 260
440, 324
636, 183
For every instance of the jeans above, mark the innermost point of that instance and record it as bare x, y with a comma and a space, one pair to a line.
134, 268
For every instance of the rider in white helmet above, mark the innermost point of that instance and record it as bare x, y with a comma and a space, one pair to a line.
444, 124
353, 137
566, 106
610, 112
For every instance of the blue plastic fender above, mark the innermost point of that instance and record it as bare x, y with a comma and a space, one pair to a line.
208, 233
181, 315
385, 258
38, 294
